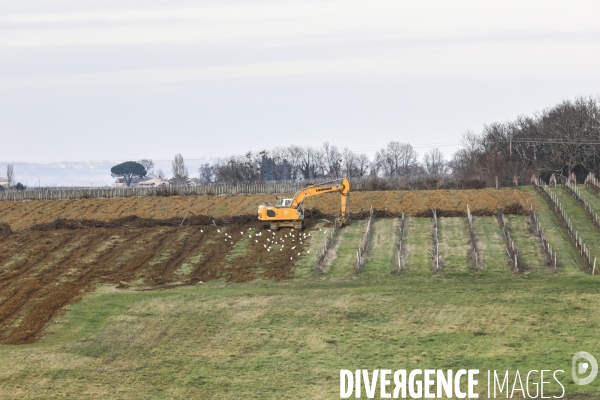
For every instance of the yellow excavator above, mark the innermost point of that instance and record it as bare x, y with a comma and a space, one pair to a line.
289, 213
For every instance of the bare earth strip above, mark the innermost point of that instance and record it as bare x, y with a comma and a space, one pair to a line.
22, 214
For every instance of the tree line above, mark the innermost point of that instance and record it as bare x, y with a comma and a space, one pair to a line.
563, 139
396, 160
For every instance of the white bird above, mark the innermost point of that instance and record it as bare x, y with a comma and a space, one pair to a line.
290, 258
265, 245
250, 236
293, 247
292, 229
268, 249
218, 230
201, 231
319, 229
241, 233
298, 253
308, 252
256, 240
225, 239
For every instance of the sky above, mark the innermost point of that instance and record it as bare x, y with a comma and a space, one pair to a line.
125, 80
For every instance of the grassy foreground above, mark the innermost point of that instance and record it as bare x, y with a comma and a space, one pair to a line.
289, 340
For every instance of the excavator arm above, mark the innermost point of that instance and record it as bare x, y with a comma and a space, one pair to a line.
343, 187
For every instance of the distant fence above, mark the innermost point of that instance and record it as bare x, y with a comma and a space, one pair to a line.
110, 193
198, 190
217, 189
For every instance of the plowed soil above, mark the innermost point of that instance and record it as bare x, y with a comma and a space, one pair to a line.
51, 253
44, 270
19, 215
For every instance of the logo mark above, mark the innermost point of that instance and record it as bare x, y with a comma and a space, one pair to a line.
580, 368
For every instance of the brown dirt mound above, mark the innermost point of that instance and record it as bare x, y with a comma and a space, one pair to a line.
22, 214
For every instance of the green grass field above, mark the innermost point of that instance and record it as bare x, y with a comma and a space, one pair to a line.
289, 339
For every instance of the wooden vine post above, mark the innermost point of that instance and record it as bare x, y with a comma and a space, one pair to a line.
363, 248
476, 258
511, 250
548, 249
402, 255
322, 253
436, 242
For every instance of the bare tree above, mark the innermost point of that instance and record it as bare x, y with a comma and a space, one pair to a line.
282, 169
10, 174
392, 155
471, 142
309, 159
435, 163
180, 172
333, 160
362, 165
378, 164
206, 172
148, 165
399, 159
408, 159
296, 154
349, 161
160, 174
354, 165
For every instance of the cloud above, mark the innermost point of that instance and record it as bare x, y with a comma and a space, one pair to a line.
460, 60
264, 24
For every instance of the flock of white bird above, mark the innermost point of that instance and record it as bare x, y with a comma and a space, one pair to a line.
270, 242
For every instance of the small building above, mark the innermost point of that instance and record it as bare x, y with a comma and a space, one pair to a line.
143, 182
4, 183
153, 182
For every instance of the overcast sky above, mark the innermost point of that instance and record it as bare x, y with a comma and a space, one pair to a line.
119, 80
